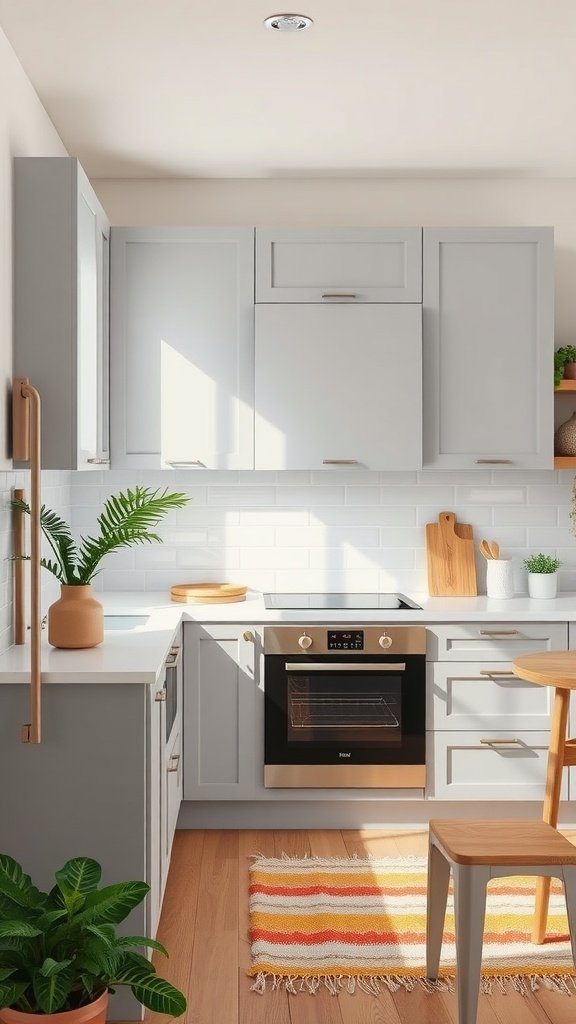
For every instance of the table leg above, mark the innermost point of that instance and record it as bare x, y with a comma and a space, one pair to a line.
551, 800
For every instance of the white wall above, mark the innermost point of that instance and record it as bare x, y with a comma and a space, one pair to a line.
25, 130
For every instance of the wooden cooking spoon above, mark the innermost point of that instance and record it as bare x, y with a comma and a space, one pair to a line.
494, 549
485, 549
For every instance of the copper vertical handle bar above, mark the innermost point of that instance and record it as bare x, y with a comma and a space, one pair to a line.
19, 551
26, 418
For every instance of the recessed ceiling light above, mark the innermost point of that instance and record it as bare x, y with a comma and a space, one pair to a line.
288, 22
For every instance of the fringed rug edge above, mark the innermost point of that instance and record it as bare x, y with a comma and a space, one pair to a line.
564, 984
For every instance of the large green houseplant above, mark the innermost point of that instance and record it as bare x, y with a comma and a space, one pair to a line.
128, 518
59, 950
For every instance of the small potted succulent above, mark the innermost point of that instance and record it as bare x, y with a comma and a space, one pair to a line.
564, 364
59, 952
542, 575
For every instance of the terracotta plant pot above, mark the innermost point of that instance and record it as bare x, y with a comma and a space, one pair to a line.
93, 1013
570, 371
76, 620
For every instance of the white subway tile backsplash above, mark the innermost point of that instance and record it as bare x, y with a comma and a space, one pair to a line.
311, 497
526, 515
339, 528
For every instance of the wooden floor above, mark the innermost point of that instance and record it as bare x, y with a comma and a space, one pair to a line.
205, 928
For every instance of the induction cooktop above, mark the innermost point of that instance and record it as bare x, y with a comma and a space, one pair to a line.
390, 602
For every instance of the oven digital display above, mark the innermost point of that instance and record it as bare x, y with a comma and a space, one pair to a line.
345, 640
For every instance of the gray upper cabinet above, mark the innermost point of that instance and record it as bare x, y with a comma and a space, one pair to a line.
182, 344
338, 265
338, 385
61, 239
488, 332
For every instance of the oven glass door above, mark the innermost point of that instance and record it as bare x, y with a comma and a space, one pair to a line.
321, 710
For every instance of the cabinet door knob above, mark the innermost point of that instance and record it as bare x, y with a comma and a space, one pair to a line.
248, 635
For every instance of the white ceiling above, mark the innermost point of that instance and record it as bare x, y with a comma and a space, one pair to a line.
176, 88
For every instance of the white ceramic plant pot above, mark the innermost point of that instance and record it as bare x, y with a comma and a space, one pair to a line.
542, 584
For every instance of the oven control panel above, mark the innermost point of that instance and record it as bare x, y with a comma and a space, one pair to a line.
345, 640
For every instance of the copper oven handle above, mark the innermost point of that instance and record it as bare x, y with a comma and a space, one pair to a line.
26, 428
346, 666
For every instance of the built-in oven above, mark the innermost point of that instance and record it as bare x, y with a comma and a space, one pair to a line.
344, 707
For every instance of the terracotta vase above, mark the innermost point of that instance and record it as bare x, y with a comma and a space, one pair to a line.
93, 1013
569, 371
565, 437
76, 620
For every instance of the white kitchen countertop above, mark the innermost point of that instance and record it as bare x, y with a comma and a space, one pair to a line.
138, 654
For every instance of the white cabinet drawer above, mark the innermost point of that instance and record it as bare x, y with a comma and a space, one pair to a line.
468, 695
339, 265
461, 767
494, 641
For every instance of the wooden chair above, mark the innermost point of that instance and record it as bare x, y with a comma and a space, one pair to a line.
477, 851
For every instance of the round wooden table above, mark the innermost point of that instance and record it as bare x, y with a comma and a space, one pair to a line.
557, 669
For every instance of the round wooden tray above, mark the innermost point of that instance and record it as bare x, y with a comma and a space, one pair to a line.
207, 593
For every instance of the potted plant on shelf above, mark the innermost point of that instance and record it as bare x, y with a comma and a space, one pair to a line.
76, 620
542, 575
59, 952
564, 364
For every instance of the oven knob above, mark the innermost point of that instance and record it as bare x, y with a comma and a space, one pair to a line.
305, 641
385, 641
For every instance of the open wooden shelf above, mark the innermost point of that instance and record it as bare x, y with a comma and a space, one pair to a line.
565, 461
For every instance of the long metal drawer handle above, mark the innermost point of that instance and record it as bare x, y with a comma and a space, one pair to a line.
499, 632
98, 462
340, 462
502, 742
185, 462
502, 674
494, 462
346, 666
339, 295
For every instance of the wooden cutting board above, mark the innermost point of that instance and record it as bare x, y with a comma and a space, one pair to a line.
207, 593
450, 554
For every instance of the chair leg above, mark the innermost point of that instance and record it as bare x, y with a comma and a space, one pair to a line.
438, 882
541, 910
469, 912
569, 879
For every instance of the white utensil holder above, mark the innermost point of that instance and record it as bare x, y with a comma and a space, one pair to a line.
499, 578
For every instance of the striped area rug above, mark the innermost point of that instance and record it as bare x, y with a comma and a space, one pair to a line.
348, 923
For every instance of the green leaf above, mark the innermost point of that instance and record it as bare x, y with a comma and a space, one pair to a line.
50, 967
105, 932
76, 879
18, 929
11, 993
141, 940
46, 920
5, 972
52, 992
153, 992
16, 885
111, 904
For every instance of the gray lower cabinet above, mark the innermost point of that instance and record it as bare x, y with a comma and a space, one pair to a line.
61, 252
488, 339
94, 787
487, 730
223, 713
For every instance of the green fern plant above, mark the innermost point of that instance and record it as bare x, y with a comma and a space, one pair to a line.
542, 563
128, 518
59, 949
